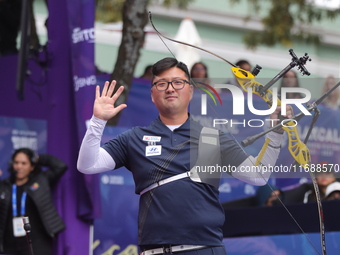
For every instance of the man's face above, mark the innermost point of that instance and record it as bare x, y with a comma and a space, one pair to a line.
172, 101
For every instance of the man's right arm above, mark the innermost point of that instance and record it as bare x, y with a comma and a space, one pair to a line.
92, 158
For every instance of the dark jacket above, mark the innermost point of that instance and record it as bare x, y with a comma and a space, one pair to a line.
38, 188
301, 194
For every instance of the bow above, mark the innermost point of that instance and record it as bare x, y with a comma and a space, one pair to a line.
297, 148
300, 152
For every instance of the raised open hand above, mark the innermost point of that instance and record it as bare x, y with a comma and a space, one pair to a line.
103, 107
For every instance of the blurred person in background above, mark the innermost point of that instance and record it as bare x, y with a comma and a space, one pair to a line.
332, 101
333, 191
244, 64
199, 74
199, 70
290, 80
147, 75
268, 195
305, 193
323, 180
10, 14
27, 193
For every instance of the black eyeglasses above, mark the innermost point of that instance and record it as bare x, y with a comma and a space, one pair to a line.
164, 85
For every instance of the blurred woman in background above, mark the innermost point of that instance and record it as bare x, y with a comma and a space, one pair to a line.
333, 99
199, 74
290, 80
27, 193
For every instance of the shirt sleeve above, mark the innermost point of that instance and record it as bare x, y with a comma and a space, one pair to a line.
92, 158
248, 172
231, 152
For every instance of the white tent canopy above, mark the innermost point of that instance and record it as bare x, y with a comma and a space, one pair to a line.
188, 33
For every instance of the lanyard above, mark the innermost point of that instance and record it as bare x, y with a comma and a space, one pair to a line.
14, 201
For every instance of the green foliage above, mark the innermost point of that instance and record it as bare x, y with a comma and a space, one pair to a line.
182, 4
111, 10
285, 21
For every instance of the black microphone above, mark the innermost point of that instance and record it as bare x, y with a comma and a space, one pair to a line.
27, 227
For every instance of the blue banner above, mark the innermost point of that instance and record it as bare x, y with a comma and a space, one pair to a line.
81, 30
81, 21
16, 133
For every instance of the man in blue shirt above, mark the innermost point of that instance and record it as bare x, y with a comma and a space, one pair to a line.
178, 213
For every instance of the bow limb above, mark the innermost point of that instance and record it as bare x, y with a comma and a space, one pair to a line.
321, 215
301, 154
296, 147
187, 44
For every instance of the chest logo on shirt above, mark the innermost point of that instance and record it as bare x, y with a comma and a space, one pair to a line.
153, 150
152, 138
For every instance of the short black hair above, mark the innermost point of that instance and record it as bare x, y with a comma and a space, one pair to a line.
167, 63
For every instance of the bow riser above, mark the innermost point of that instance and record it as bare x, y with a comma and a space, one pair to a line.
247, 81
296, 147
